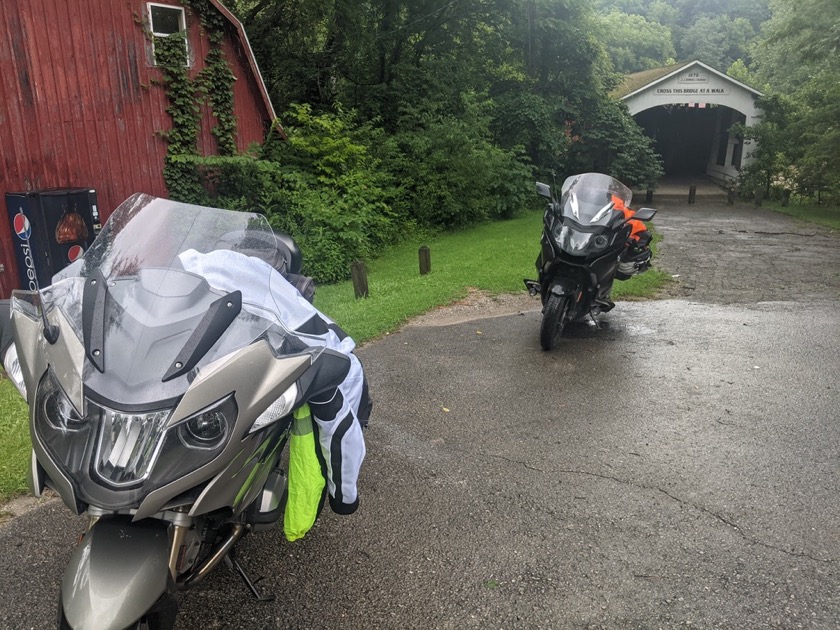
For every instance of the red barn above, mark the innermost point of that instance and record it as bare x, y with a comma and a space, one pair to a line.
82, 106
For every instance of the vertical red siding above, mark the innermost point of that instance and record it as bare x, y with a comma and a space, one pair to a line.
79, 103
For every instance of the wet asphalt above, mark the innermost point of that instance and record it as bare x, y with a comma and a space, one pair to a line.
678, 466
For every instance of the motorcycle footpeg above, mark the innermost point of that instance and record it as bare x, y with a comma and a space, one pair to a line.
533, 287
605, 305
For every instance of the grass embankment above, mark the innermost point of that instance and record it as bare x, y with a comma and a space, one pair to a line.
14, 441
828, 216
492, 258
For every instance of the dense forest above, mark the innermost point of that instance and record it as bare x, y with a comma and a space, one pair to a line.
436, 114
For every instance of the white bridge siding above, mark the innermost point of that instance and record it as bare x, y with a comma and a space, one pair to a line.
696, 84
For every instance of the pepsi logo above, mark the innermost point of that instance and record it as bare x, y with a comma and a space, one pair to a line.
74, 252
22, 226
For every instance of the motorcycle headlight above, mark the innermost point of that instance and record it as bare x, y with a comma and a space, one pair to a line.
104, 450
278, 409
572, 241
204, 434
61, 428
57, 409
135, 446
204, 431
128, 443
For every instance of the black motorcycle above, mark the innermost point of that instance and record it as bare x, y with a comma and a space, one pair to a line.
584, 248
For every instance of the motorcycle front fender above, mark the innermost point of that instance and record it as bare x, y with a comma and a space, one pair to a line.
116, 574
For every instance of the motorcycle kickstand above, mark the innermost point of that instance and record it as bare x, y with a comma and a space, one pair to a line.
233, 563
595, 322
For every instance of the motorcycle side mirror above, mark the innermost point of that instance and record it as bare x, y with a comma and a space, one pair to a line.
544, 190
644, 214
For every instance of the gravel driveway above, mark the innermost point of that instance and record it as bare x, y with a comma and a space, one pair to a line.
746, 255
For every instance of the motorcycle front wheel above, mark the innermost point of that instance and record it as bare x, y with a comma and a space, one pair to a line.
554, 319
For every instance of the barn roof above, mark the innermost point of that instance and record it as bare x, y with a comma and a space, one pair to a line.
246, 45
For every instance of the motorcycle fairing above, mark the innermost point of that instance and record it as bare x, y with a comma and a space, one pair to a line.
564, 286
583, 223
237, 483
149, 315
563, 238
255, 375
257, 379
568, 275
35, 355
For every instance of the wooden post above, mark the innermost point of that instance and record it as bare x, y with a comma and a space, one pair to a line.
692, 192
649, 196
730, 196
786, 197
425, 260
359, 275
757, 199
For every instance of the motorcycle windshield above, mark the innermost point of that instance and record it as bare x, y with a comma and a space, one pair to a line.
166, 289
588, 199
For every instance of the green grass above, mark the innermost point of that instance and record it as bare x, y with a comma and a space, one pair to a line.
494, 258
14, 441
824, 215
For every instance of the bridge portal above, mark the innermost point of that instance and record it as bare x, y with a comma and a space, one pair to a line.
688, 109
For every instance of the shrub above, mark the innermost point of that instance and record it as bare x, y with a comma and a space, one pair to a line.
450, 173
320, 186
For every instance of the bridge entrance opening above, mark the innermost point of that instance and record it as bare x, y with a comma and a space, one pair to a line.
691, 137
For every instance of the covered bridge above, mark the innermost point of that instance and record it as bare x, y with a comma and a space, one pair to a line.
688, 110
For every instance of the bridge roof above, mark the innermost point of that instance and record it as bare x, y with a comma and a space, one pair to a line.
638, 81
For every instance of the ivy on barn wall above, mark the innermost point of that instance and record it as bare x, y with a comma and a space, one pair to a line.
212, 86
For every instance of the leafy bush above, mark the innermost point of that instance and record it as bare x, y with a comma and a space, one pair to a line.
449, 172
320, 186
607, 140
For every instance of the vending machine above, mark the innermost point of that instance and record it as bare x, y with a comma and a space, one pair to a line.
50, 229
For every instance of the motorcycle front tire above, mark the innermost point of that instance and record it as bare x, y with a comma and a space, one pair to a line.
554, 320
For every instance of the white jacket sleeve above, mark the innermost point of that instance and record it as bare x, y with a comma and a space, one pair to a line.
336, 413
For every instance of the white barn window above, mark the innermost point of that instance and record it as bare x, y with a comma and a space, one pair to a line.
166, 20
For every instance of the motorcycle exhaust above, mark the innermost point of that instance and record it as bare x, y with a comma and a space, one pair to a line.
218, 554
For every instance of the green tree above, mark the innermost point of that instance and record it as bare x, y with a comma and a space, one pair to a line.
770, 160
717, 41
634, 44
662, 12
609, 141
799, 57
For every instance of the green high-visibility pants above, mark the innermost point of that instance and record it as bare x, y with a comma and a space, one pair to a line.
306, 480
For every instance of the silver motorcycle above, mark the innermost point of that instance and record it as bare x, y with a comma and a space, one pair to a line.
160, 405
